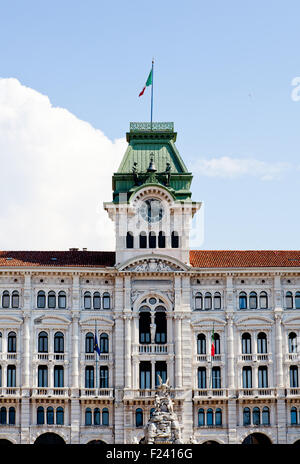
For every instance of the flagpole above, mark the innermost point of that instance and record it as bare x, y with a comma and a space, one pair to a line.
152, 93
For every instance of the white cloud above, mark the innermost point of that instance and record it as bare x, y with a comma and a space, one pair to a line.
231, 168
55, 174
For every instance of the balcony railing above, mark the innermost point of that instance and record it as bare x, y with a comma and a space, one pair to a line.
96, 392
102, 357
49, 392
209, 358
293, 391
50, 356
10, 391
257, 392
211, 392
256, 357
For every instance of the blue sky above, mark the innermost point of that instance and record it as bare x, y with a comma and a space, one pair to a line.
223, 73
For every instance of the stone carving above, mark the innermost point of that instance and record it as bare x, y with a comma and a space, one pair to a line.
163, 426
152, 331
152, 265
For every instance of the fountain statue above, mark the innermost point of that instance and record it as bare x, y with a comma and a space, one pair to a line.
163, 426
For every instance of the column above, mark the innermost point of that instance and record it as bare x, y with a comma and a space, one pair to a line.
75, 352
178, 364
230, 355
127, 354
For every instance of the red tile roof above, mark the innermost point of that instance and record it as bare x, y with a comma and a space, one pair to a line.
244, 258
57, 258
198, 258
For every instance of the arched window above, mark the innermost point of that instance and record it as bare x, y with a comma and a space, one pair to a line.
218, 417
217, 300
294, 416
62, 300
263, 300
246, 343
152, 239
103, 377
297, 300
246, 416
207, 301
201, 418
50, 415
143, 240
59, 342
201, 377
144, 326
256, 416
289, 300
12, 416
89, 343
292, 342
3, 416
104, 348
11, 376
51, 300
97, 300
96, 416
262, 343
253, 300
5, 299
247, 377
41, 299
59, 416
198, 300
42, 376
12, 342
40, 416
217, 343
262, 377
15, 299
201, 344
87, 300
293, 376
89, 377
243, 300
216, 377
88, 416
106, 300
139, 417
58, 376
161, 325
105, 416
43, 342
265, 416
129, 240
209, 417
161, 240
174, 239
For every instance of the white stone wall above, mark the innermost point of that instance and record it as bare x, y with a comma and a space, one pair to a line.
128, 290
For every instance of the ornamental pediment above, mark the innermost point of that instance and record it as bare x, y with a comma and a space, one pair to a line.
153, 264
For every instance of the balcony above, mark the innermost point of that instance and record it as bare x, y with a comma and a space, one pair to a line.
152, 348
294, 391
201, 393
254, 357
91, 357
257, 392
97, 392
208, 358
50, 357
10, 391
50, 392
292, 357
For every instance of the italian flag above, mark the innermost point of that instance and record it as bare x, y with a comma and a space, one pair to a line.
148, 82
212, 343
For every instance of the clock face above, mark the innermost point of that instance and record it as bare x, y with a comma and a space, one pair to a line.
151, 210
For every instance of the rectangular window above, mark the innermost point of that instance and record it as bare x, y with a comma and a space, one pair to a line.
89, 377
42, 376
58, 376
202, 377
216, 377
145, 375
103, 377
247, 377
262, 377
11, 376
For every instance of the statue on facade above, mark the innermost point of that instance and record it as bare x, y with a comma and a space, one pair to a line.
168, 173
163, 426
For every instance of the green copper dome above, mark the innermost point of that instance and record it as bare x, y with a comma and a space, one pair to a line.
152, 145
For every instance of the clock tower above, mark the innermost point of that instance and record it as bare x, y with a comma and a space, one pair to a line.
152, 207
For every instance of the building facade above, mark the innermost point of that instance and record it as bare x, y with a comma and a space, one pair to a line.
155, 307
